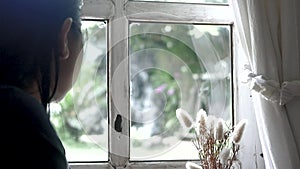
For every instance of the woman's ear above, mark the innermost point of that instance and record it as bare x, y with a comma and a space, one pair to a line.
63, 38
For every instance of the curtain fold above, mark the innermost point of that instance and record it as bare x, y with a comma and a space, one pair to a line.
269, 32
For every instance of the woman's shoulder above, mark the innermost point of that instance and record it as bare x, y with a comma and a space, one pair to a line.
13, 96
20, 108
26, 123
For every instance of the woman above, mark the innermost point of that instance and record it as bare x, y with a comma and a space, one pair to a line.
40, 56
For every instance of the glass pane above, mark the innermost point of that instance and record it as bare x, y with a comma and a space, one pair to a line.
81, 117
172, 66
190, 1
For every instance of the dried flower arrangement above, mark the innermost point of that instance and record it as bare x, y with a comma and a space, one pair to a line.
217, 144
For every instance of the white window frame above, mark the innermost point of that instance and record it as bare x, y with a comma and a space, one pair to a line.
118, 14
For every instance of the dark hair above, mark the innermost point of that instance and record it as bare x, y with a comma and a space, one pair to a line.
28, 41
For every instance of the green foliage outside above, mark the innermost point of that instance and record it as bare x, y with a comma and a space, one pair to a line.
90, 89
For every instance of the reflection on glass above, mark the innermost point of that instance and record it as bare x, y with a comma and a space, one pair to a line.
81, 117
191, 1
172, 66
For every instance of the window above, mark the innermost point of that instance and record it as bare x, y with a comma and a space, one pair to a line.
190, 1
81, 117
142, 61
171, 66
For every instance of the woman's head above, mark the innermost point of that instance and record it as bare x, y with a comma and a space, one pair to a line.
40, 42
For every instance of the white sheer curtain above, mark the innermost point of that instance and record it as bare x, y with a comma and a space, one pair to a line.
269, 31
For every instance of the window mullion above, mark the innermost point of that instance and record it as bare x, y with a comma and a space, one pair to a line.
118, 88
99, 9
157, 165
178, 12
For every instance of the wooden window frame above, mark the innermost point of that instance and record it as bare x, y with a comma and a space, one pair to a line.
118, 14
